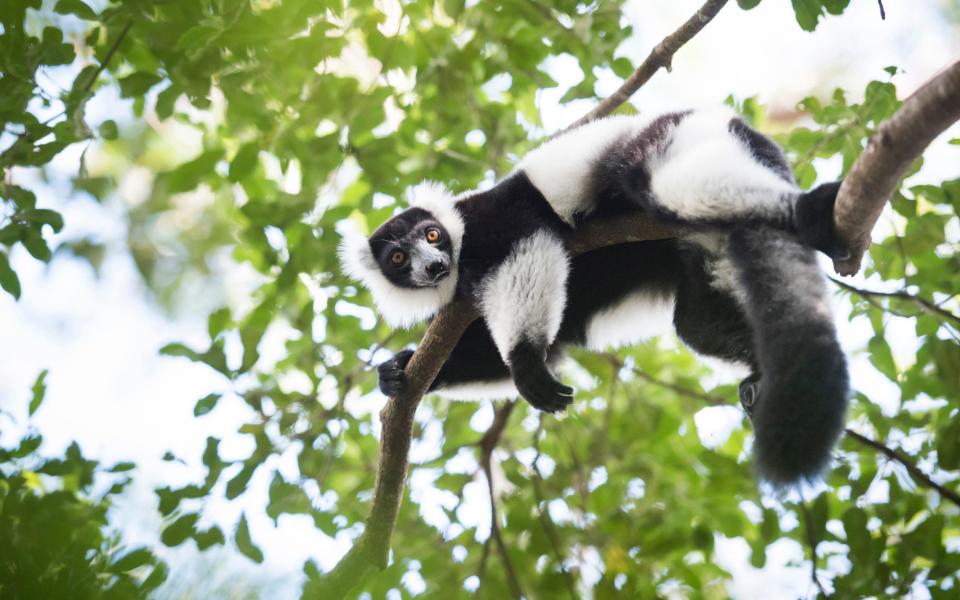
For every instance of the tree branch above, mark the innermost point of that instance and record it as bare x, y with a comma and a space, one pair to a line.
915, 472
812, 542
487, 446
896, 144
923, 303
659, 58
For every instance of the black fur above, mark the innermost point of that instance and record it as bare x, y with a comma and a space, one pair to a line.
510, 211
799, 413
815, 221
762, 148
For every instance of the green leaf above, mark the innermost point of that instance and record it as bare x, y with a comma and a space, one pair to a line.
205, 404
244, 161
8, 278
76, 7
155, 579
189, 174
177, 532
131, 560
244, 543
39, 389
108, 130
748, 4
807, 13
138, 84
122, 467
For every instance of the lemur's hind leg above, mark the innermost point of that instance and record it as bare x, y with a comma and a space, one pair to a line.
522, 302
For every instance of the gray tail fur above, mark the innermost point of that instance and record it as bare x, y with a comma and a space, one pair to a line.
804, 383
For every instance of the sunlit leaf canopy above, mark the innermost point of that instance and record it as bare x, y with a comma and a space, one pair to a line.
258, 125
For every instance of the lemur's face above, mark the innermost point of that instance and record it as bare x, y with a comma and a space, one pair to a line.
413, 249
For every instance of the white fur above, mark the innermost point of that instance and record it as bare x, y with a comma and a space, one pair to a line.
707, 173
637, 316
524, 298
404, 307
560, 168
503, 389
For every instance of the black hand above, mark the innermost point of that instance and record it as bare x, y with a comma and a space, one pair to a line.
534, 381
392, 377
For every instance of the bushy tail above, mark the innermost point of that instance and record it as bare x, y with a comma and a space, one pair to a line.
804, 383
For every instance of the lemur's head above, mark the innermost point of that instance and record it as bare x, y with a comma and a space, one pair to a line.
409, 263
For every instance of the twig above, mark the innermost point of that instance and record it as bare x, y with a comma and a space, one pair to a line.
812, 542
549, 528
660, 57
680, 389
889, 153
923, 303
883, 13
915, 472
487, 446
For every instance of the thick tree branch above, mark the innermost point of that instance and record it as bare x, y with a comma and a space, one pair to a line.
659, 58
897, 143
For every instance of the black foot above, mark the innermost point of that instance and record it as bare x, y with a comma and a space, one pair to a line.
749, 394
815, 221
534, 381
392, 377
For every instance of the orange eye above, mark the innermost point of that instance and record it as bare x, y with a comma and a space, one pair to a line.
433, 235
398, 258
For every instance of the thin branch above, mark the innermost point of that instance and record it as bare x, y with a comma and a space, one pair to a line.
883, 13
659, 58
680, 389
487, 445
812, 542
915, 472
923, 303
549, 527
896, 144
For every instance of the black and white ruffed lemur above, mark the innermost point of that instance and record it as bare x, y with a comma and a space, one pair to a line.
742, 284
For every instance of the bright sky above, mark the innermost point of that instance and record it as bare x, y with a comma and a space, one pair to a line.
110, 390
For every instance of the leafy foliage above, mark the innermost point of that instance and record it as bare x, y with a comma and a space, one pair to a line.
263, 124
56, 537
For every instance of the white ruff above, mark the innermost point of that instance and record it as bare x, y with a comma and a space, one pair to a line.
636, 317
524, 298
404, 307
561, 167
708, 173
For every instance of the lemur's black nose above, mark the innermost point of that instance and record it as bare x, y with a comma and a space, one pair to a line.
437, 268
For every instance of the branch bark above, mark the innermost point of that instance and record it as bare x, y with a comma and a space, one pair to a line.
896, 144
659, 58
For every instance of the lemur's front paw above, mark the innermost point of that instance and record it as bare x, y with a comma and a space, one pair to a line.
749, 394
392, 377
815, 221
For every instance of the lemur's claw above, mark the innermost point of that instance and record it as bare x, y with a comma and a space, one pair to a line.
749, 394
392, 378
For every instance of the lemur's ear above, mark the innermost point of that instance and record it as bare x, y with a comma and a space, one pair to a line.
356, 257
439, 201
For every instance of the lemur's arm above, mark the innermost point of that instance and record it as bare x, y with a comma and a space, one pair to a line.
473, 363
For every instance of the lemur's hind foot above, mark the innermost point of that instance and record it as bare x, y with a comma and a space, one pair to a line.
814, 221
